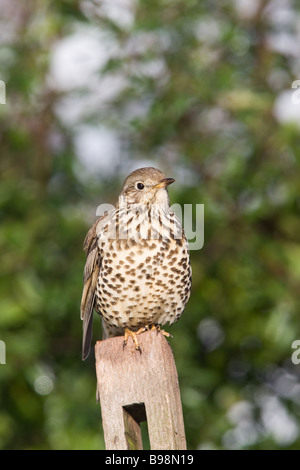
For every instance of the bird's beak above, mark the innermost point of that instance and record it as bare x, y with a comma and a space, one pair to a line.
164, 183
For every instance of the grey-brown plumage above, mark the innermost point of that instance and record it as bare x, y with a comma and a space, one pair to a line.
137, 271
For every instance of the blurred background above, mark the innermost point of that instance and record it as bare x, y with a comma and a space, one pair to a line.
205, 91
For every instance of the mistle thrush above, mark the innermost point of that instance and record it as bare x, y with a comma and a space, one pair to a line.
137, 273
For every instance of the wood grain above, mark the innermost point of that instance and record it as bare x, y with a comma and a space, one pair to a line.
134, 387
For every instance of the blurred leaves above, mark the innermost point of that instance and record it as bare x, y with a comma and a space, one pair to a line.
193, 89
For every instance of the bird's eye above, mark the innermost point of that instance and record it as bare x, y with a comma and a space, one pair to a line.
139, 186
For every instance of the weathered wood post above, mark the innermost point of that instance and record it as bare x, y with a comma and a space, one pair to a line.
134, 387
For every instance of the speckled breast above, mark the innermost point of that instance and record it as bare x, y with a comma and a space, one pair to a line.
145, 275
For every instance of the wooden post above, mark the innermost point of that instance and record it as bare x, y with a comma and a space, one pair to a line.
134, 387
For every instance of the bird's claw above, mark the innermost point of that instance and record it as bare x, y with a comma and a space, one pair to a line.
158, 329
133, 334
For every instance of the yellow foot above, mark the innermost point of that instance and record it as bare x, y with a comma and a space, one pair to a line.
133, 335
156, 328
159, 330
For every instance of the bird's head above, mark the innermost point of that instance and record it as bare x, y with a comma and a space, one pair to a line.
146, 186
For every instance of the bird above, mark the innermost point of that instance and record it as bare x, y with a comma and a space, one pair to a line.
137, 274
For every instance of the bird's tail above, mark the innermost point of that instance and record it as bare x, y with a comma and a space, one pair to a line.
87, 334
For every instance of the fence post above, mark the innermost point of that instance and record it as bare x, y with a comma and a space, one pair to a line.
134, 387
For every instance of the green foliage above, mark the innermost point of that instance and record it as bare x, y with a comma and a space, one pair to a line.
200, 80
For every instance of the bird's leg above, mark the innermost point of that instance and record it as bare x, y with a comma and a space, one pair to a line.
158, 329
133, 334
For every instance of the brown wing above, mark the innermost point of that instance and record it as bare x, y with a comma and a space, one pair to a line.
90, 279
